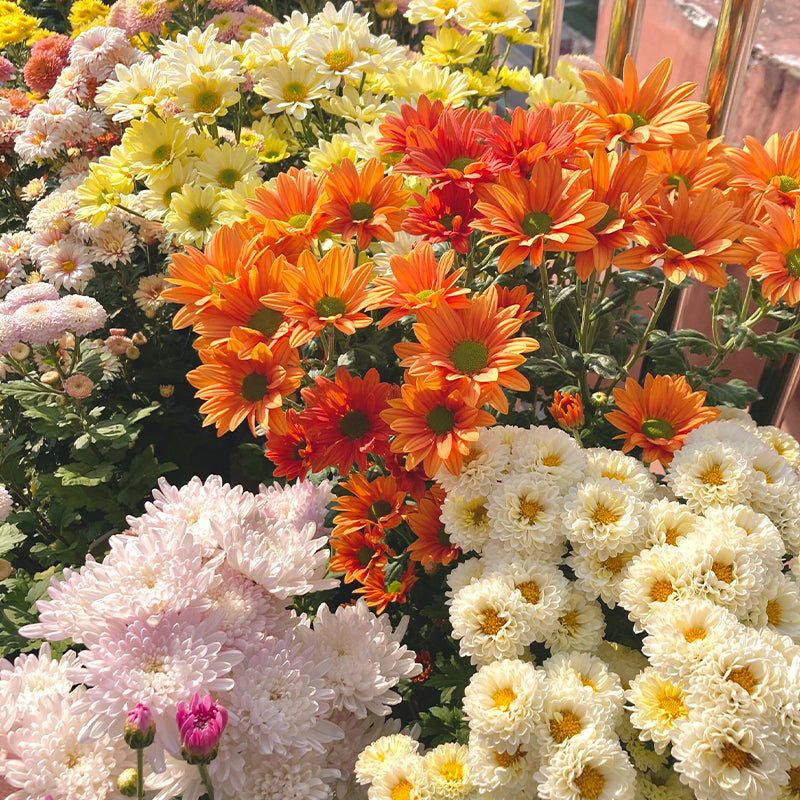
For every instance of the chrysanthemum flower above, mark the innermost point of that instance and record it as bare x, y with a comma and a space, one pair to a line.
658, 416
567, 410
545, 212
378, 593
776, 244
691, 235
645, 114
291, 88
372, 506
434, 426
444, 215
772, 169
252, 389
432, 545
363, 203
195, 213
469, 349
288, 448
702, 167
342, 418
400, 132
358, 556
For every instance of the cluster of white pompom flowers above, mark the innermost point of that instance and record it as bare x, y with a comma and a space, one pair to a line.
196, 597
700, 561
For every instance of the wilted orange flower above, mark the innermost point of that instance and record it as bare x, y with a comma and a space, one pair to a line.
772, 169
326, 292
659, 416
419, 281
378, 593
542, 213
777, 245
288, 447
434, 426
644, 114
471, 349
238, 389
432, 545
567, 410
372, 507
364, 204
693, 235
702, 167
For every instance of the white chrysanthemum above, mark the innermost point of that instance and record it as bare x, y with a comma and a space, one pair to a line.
135, 91
711, 474
463, 574
787, 520
49, 758
365, 658
736, 415
525, 514
484, 465
466, 521
436, 11
783, 443
543, 588
404, 776
15, 249
567, 714
590, 678
291, 88
502, 772
503, 702
489, 620
604, 463
551, 454
448, 773
681, 633
299, 502
336, 54
775, 481
667, 521
298, 777
656, 705
580, 627
601, 577
762, 536
724, 754
375, 757
722, 431
624, 661
98, 51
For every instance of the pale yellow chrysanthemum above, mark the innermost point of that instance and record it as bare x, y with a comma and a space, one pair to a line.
518, 79
100, 193
413, 80
156, 198
354, 105
85, 14
375, 757
500, 17
229, 165
136, 90
447, 771
657, 705
326, 154
152, 144
436, 11
565, 87
483, 84
203, 97
195, 213
291, 88
451, 47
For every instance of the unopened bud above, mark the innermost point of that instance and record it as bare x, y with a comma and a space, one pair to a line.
386, 9
200, 726
20, 351
599, 399
166, 390
127, 782
50, 377
67, 341
140, 727
5, 569
139, 339
133, 352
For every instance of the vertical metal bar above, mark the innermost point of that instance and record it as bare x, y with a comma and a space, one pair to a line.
548, 26
729, 57
623, 35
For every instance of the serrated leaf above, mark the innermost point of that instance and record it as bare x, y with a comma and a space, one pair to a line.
603, 365
734, 392
77, 474
10, 536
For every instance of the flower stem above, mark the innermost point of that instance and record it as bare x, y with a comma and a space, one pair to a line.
139, 773
548, 310
206, 778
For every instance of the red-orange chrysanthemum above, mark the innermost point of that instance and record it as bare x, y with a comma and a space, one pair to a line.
692, 235
544, 212
419, 281
236, 389
378, 593
658, 416
342, 418
434, 426
445, 214
365, 204
432, 545
397, 133
771, 169
777, 245
470, 349
357, 556
288, 447
644, 114
371, 507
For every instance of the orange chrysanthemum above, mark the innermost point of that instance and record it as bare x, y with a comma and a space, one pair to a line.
398, 133
419, 281
364, 204
702, 167
326, 292
371, 507
644, 114
659, 416
693, 235
470, 349
771, 169
543, 213
357, 556
777, 244
434, 426
238, 389
378, 593
432, 545
288, 447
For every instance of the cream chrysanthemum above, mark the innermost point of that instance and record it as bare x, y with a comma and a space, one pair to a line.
656, 706
667, 522
604, 463
484, 465
402, 777
580, 627
447, 771
463, 574
598, 577
502, 772
551, 454
466, 521
783, 443
291, 88
762, 535
375, 757
777, 606
567, 714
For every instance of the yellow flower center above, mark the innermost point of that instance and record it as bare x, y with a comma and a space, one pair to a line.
339, 60
563, 726
744, 678
694, 634
590, 783
452, 771
492, 622
586, 681
616, 564
604, 516
503, 698
68, 266
402, 790
530, 591
570, 620
767, 476
661, 591
507, 760
530, 510
671, 536
479, 514
773, 612
713, 476
672, 706
551, 460
724, 572
295, 91
734, 757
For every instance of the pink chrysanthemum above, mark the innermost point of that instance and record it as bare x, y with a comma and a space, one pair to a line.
145, 16
9, 333
29, 293
40, 323
7, 70
299, 502
41, 72
57, 44
82, 314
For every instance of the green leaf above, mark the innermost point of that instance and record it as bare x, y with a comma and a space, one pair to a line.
734, 392
77, 474
603, 365
10, 536
772, 345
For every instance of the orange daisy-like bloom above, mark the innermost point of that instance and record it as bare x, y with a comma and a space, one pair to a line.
372, 507
470, 349
400, 132
543, 213
702, 167
238, 389
419, 281
288, 447
567, 410
644, 114
432, 545
358, 556
693, 235
659, 416
292, 206
434, 426
771, 169
364, 204
777, 244
516, 296
618, 182
326, 292
342, 418
378, 593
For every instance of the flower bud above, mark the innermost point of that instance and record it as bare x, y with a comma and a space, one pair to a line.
200, 726
140, 727
166, 390
19, 351
139, 339
567, 410
599, 399
5, 569
127, 782
51, 377
132, 352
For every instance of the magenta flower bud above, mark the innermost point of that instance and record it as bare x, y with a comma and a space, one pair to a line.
140, 727
200, 725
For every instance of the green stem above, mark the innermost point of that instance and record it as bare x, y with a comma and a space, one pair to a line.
548, 309
139, 773
206, 778
328, 336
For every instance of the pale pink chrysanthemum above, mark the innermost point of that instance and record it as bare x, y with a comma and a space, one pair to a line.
112, 244
227, 24
67, 265
15, 248
82, 315
97, 51
299, 502
226, 5
9, 333
40, 323
11, 275
6, 504
29, 293
7, 70
145, 16
78, 386
301, 776
148, 293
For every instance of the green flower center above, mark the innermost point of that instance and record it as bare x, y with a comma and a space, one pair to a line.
469, 358
536, 223
200, 219
354, 424
365, 555
330, 306
207, 101
447, 221
787, 183
254, 387
162, 153
655, 428
266, 321
361, 211
298, 220
339, 60
424, 294
380, 508
637, 119
460, 163
610, 216
440, 420
295, 91
793, 262
394, 587
227, 177
676, 180
683, 244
